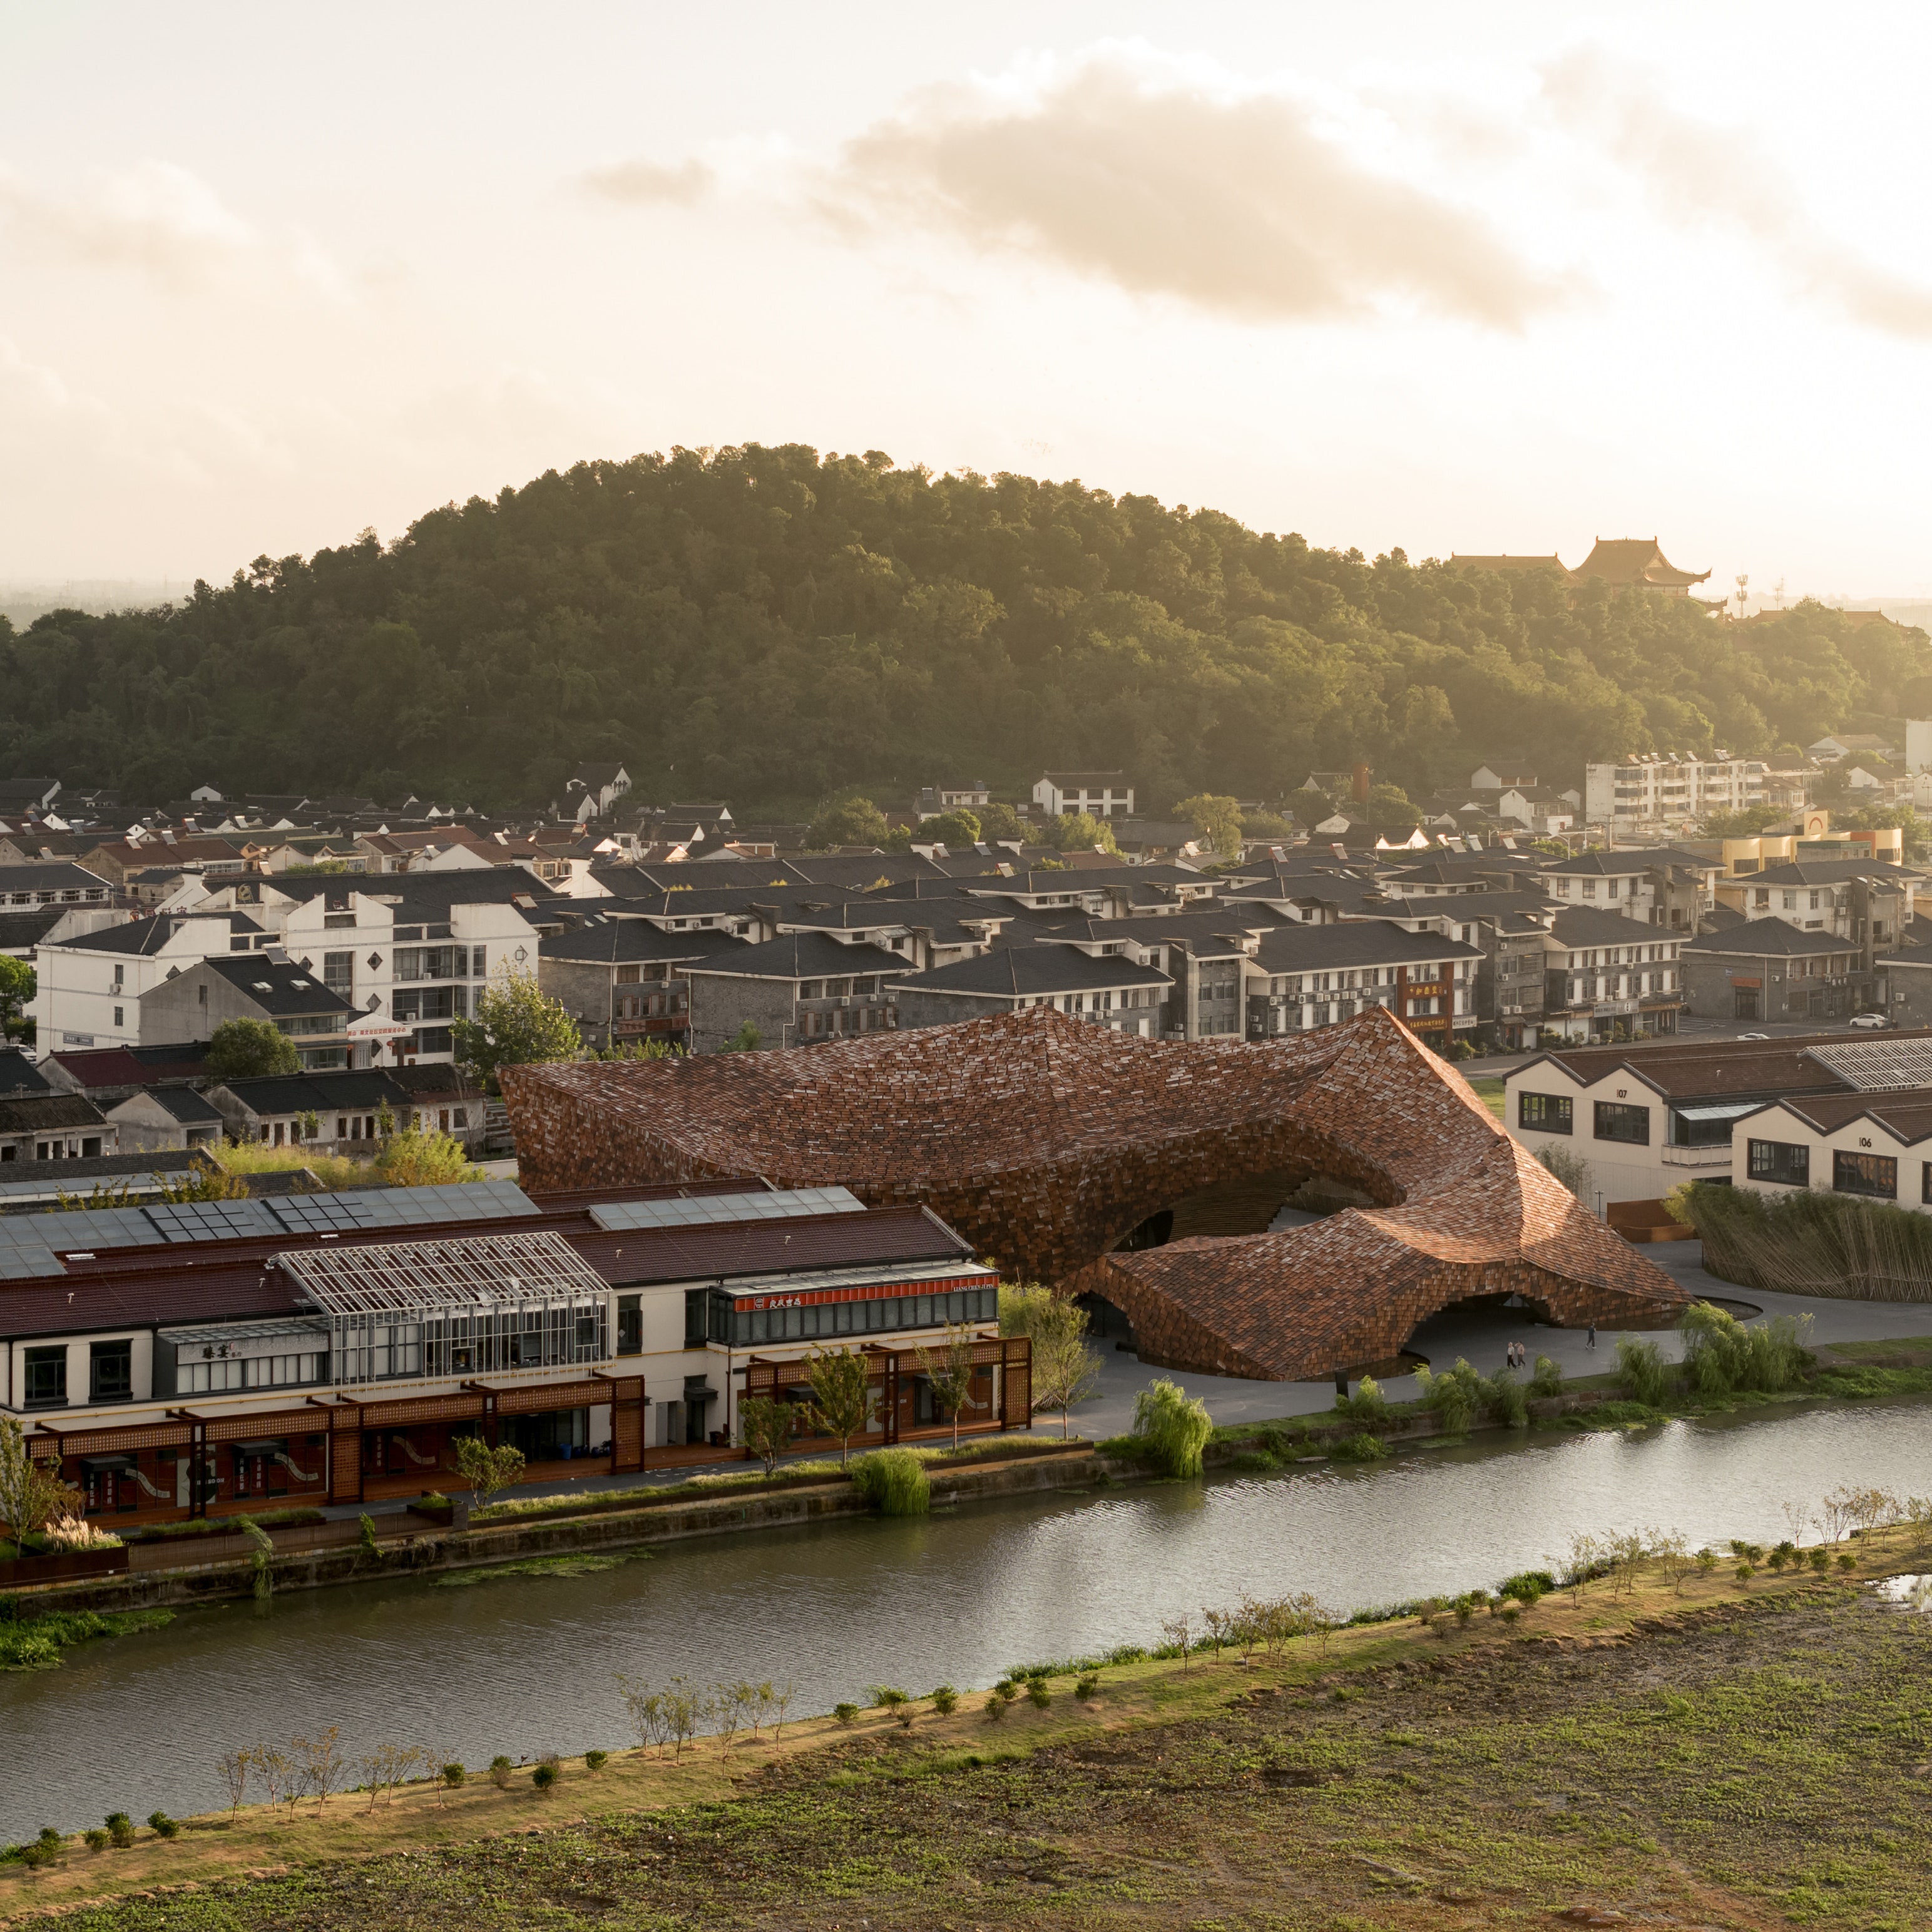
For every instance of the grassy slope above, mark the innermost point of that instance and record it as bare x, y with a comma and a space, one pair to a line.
1738, 1755
1488, 1088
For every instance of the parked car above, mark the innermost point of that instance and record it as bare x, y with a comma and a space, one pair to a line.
1753, 1036
1868, 1021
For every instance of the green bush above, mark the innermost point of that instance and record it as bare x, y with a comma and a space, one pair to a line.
1722, 1357
1526, 1586
1038, 1695
1548, 1379
1455, 1395
1508, 1401
893, 1482
946, 1700
1641, 1370
1368, 1404
95, 1839
544, 1776
846, 1713
453, 1775
1362, 1448
1088, 1686
120, 1830
886, 1698
163, 1825
595, 1760
500, 1769
1172, 1428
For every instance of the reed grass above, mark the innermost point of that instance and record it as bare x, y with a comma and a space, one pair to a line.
1813, 1242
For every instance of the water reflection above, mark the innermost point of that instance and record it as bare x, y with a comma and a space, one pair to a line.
526, 1665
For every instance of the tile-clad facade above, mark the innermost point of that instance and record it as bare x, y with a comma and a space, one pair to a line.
1046, 1141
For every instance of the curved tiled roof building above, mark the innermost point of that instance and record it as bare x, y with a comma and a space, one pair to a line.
1048, 1141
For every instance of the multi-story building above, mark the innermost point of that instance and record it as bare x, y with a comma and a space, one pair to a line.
1103, 794
1604, 978
1658, 885
1644, 1118
1643, 794
1301, 976
1751, 970
1104, 988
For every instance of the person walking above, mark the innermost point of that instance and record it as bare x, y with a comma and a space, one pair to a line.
1592, 1342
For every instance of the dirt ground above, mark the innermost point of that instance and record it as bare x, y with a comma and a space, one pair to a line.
1735, 1758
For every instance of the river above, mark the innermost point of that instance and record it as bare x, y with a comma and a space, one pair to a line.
527, 1664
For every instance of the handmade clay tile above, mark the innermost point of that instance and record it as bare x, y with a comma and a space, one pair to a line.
1047, 1140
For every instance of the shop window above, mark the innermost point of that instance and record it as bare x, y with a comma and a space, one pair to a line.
110, 1371
1786, 1163
44, 1382
1618, 1122
1870, 1174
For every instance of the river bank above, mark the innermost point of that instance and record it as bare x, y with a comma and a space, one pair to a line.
218, 1567
1655, 1749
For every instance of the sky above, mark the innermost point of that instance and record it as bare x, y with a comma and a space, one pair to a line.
1499, 278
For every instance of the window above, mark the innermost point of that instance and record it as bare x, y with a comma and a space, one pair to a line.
1617, 1122
630, 1325
45, 1385
338, 971
1873, 1173
1783, 1161
118, 1020
1546, 1113
110, 1376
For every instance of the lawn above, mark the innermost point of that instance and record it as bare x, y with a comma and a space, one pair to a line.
1488, 1088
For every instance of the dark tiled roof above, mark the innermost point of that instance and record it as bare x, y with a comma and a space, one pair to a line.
1030, 971
1598, 925
49, 1113
272, 1094
143, 937
278, 986
184, 1103
51, 875
801, 955
604, 939
1686, 1070
1906, 1115
1827, 872
21, 930
19, 1075
1318, 949
1767, 939
134, 1066
1616, 865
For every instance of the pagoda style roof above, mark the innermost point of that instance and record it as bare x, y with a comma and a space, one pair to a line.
1638, 561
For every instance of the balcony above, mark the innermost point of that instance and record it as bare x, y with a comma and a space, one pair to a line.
1705, 1160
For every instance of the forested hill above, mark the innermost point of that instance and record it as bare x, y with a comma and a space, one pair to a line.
765, 626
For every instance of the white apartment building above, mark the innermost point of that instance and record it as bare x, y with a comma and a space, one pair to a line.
410, 953
90, 985
1103, 794
1659, 792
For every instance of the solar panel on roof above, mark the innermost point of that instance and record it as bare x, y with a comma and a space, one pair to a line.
211, 1220
313, 1214
707, 1210
25, 1262
94, 1227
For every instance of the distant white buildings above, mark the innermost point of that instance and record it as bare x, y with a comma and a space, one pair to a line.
1647, 793
1103, 794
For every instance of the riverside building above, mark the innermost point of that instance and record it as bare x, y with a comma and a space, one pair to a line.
203, 1358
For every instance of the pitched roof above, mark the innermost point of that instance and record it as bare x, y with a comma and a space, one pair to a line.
1618, 865
100, 1066
800, 955
1636, 560
1906, 1116
604, 939
1827, 872
19, 1075
270, 1093
1767, 939
1597, 926
49, 876
277, 986
1684, 1070
35, 1113
1320, 949
183, 1103
1031, 971
143, 938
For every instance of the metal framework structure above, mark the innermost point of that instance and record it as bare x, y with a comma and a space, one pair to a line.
474, 1307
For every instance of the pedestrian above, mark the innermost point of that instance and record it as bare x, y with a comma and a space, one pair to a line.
1592, 1342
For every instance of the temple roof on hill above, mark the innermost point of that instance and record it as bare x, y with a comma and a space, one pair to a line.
1636, 560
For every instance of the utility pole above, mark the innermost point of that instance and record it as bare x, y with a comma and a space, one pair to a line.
1744, 594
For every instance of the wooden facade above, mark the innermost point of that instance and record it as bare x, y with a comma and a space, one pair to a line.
1002, 1397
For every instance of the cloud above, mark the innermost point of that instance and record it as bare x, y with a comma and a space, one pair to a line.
161, 221
1698, 174
1153, 178
646, 184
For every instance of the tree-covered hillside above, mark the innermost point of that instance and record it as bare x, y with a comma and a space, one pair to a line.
762, 625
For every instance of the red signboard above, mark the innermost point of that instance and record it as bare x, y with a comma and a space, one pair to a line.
875, 1291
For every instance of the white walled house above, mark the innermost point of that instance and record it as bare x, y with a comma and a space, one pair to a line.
91, 985
1103, 794
1874, 1146
1646, 1118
